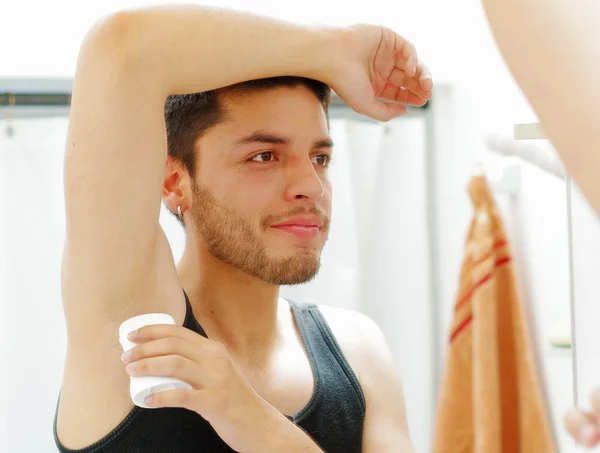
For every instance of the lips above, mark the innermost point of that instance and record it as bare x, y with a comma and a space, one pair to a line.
302, 221
301, 227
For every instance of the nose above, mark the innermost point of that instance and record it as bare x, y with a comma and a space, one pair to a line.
304, 182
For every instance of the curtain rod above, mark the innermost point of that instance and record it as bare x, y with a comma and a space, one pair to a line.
8, 99
64, 99
41, 92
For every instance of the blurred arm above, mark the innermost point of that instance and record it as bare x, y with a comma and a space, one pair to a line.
552, 48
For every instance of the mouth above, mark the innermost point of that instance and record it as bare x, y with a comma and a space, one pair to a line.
303, 227
300, 231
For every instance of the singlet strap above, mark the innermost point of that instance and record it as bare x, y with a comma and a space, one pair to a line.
314, 328
190, 320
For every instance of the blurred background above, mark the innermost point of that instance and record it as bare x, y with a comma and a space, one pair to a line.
400, 215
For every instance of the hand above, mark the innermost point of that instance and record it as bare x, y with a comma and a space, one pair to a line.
220, 393
585, 426
374, 63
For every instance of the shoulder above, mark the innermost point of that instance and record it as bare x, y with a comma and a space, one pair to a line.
361, 341
366, 350
351, 326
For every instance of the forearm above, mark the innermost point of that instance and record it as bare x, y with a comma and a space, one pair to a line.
552, 48
193, 48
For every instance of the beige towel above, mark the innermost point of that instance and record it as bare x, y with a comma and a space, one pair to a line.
491, 399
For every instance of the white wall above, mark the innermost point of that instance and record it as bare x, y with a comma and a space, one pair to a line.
31, 49
586, 247
32, 327
396, 293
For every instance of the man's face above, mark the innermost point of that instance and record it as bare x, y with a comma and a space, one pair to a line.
266, 165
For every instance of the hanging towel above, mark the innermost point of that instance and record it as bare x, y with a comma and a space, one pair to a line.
491, 397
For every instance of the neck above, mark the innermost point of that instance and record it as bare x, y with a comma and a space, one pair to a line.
233, 308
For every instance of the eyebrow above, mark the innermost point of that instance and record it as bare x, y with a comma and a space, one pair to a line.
265, 137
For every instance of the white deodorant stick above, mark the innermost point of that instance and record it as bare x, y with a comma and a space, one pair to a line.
141, 387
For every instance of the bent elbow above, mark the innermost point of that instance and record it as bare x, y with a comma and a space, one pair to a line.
112, 40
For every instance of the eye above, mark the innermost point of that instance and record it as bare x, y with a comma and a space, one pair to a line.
263, 157
322, 159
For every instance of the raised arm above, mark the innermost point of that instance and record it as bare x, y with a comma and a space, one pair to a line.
116, 148
552, 48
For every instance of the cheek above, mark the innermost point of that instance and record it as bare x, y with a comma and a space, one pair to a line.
254, 186
249, 199
252, 191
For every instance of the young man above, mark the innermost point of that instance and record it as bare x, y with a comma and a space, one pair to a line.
245, 169
553, 51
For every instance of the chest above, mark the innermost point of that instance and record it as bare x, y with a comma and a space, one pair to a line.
286, 380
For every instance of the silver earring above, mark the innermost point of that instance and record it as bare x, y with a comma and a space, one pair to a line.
179, 214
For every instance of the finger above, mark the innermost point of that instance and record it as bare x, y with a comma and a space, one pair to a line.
162, 347
582, 427
399, 79
183, 398
174, 366
406, 56
402, 95
423, 75
156, 331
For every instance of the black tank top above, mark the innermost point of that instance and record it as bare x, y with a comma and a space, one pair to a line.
333, 417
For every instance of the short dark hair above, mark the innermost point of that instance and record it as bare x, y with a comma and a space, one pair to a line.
187, 116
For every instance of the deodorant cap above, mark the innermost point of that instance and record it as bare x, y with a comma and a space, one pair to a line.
141, 387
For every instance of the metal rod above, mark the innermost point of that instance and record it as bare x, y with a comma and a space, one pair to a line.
57, 92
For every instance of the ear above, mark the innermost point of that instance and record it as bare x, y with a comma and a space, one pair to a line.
176, 185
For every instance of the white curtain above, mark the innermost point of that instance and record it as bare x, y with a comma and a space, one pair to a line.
376, 262
32, 327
